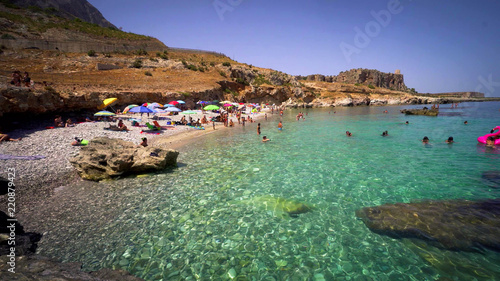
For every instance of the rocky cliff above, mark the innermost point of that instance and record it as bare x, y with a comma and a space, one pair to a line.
69, 9
394, 81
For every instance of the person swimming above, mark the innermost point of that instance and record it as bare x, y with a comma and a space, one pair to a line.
265, 139
450, 140
347, 133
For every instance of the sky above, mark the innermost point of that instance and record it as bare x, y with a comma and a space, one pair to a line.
439, 46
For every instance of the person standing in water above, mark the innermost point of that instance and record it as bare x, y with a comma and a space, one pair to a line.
258, 129
280, 126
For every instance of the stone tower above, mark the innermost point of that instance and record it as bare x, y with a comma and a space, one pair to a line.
397, 71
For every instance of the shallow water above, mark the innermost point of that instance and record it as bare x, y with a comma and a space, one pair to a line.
206, 219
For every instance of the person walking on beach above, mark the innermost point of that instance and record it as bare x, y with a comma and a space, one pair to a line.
280, 126
258, 129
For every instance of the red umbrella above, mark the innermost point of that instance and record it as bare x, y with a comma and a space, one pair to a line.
174, 102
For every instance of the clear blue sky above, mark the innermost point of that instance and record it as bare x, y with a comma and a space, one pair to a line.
440, 46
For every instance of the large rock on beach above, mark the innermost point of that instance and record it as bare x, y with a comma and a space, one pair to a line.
454, 225
105, 158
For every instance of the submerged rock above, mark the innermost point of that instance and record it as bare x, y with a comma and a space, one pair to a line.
454, 225
105, 158
424, 111
492, 178
279, 206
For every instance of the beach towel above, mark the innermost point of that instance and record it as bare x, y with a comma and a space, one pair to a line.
16, 157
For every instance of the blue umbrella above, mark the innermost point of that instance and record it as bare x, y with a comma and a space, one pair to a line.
173, 109
169, 105
180, 101
141, 109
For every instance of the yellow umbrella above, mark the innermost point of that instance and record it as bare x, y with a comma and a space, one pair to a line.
107, 102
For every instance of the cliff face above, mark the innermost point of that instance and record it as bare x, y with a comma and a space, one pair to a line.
364, 77
69, 9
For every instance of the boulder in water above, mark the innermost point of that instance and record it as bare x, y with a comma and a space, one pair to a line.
454, 224
425, 111
105, 158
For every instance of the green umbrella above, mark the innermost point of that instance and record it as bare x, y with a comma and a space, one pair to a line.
211, 107
104, 113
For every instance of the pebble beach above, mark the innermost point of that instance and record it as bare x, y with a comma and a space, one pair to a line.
37, 178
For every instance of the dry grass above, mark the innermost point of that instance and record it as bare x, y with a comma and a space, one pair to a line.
77, 72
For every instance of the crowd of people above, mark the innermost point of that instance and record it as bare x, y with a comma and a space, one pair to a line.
20, 80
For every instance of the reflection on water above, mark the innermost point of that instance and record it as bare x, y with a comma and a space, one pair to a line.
218, 215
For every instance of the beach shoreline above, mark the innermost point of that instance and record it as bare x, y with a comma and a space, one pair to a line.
37, 179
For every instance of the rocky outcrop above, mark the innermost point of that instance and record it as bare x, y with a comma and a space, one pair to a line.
105, 158
372, 77
364, 77
423, 111
454, 225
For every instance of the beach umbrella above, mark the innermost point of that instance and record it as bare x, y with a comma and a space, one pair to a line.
180, 101
146, 104
141, 109
211, 107
155, 104
104, 113
107, 102
203, 102
225, 101
131, 105
173, 109
189, 112
174, 102
228, 105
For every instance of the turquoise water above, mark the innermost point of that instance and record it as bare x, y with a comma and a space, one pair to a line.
206, 219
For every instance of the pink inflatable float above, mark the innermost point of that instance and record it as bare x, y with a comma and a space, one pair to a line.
483, 138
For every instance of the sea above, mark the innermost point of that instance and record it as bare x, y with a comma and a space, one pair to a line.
223, 213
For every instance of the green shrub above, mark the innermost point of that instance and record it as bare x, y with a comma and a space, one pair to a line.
261, 79
357, 84
241, 81
8, 36
106, 55
226, 64
186, 94
212, 64
192, 67
137, 63
147, 73
141, 52
153, 59
91, 53
201, 69
162, 55
371, 86
222, 73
